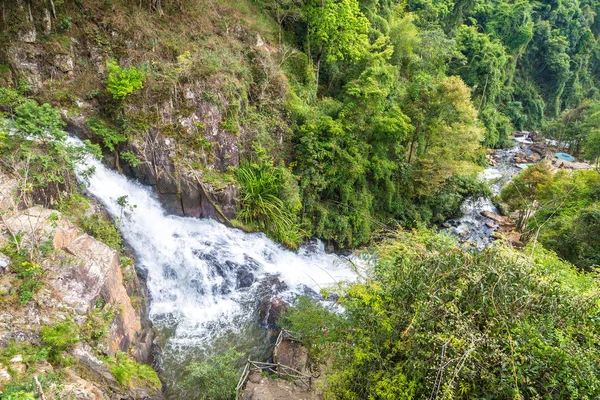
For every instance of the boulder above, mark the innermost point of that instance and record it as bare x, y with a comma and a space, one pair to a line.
539, 148
499, 219
534, 158
4, 263
291, 353
259, 387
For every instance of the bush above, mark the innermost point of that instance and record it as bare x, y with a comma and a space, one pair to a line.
123, 81
59, 338
42, 122
38, 154
110, 137
215, 378
269, 200
433, 320
130, 373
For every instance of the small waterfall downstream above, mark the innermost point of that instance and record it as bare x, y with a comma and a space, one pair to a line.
206, 280
472, 226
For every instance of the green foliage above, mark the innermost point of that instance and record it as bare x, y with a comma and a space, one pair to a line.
10, 98
338, 28
42, 122
215, 378
269, 199
110, 137
520, 193
102, 229
130, 373
122, 82
59, 338
30, 274
20, 395
434, 320
567, 218
130, 159
75, 207
38, 155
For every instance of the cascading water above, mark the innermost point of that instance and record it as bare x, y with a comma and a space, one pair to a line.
206, 280
471, 227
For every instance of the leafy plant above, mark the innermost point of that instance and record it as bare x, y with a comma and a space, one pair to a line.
130, 373
59, 338
131, 159
269, 200
110, 137
432, 318
122, 82
215, 378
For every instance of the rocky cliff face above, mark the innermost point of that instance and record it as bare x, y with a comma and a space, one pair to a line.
213, 87
77, 273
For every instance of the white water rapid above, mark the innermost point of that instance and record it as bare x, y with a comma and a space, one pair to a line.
471, 226
205, 279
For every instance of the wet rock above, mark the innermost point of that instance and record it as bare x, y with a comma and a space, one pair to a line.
490, 224
4, 263
501, 220
271, 309
244, 279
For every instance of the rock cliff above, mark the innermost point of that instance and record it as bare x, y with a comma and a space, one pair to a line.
78, 272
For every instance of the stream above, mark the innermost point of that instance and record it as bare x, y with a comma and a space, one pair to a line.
471, 227
210, 286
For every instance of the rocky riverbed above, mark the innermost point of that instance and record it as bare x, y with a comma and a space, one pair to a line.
481, 221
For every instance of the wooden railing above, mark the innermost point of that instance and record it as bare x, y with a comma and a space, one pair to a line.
277, 369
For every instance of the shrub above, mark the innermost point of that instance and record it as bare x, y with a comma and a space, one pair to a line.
215, 378
59, 338
433, 320
130, 373
42, 122
123, 81
110, 137
131, 159
270, 200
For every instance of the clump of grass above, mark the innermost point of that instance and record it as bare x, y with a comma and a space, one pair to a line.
130, 373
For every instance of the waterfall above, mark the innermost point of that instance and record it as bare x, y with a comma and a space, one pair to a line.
205, 278
471, 225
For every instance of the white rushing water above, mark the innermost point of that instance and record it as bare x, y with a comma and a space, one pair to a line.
472, 227
204, 278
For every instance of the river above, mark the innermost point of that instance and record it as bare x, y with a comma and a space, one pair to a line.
471, 227
210, 286
208, 283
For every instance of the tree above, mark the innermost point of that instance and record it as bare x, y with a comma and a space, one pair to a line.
338, 29
520, 193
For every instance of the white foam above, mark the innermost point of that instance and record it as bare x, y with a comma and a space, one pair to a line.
193, 264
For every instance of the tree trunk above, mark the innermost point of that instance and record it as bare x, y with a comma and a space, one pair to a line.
319, 55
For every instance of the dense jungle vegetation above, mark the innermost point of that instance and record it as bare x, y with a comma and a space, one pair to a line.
398, 97
357, 116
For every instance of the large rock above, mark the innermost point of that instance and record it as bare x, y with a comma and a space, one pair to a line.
260, 387
291, 353
88, 270
181, 189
